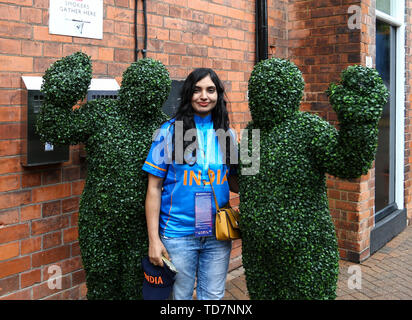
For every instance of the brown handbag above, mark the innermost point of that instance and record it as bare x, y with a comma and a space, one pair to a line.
227, 221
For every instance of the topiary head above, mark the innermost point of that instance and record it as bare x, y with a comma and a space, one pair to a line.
275, 90
145, 87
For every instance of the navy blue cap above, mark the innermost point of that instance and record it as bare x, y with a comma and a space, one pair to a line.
158, 281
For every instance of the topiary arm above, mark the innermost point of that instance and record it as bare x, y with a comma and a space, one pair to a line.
65, 83
357, 100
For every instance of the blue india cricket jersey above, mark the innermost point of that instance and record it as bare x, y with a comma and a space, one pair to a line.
182, 181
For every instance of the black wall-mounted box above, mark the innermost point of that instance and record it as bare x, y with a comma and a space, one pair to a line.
34, 152
172, 103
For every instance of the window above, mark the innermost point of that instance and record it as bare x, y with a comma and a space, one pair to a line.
385, 155
390, 64
384, 6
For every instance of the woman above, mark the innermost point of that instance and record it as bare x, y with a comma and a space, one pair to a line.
181, 177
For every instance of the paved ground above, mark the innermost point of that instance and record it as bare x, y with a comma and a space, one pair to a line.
386, 275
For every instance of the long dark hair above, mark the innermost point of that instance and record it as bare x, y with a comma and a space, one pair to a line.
185, 111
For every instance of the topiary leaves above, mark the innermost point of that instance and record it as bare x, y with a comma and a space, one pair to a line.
275, 91
360, 95
67, 80
117, 136
145, 85
289, 246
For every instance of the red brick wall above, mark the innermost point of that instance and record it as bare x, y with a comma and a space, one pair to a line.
278, 28
218, 34
39, 205
322, 45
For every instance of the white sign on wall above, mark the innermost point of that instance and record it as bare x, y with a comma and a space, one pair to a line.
78, 18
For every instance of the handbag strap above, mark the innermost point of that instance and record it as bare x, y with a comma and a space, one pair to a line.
214, 195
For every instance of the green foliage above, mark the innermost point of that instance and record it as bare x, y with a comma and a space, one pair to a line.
64, 87
360, 95
143, 86
280, 80
117, 135
289, 244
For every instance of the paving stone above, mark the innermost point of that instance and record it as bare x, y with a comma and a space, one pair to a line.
386, 275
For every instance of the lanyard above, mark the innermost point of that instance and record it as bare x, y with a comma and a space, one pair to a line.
204, 160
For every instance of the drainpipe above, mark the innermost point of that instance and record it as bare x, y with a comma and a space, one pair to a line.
136, 43
261, 30
145, 29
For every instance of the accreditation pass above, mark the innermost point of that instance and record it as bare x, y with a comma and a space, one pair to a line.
203, 214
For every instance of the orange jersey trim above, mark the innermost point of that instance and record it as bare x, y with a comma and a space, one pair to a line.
155, 166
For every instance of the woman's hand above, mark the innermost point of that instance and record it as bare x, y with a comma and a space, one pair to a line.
156, 251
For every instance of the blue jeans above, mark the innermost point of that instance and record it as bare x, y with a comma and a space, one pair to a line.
204, 257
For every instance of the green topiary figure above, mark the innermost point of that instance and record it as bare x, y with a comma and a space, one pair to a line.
289, 244
117, 135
